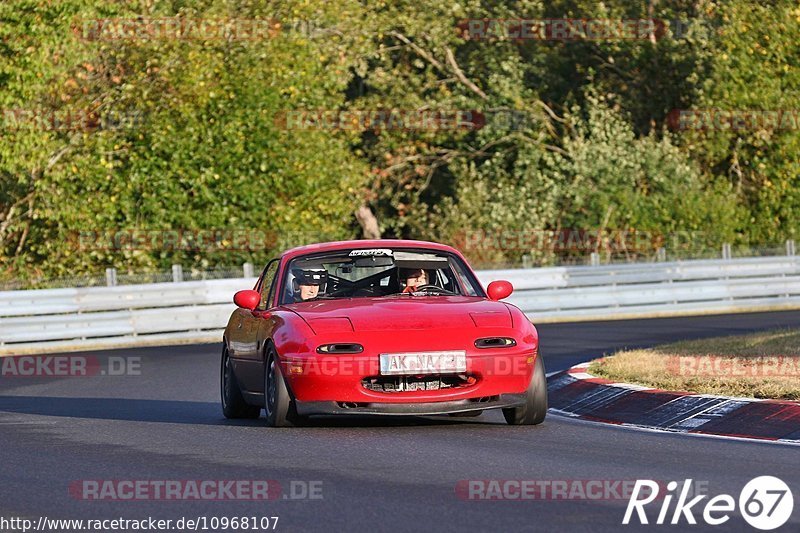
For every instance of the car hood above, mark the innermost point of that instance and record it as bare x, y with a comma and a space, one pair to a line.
403, 313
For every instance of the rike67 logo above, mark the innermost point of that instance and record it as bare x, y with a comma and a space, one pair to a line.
765, 503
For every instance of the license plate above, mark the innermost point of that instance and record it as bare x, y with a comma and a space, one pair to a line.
445, 362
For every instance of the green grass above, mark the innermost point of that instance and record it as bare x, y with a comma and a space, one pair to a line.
760, 365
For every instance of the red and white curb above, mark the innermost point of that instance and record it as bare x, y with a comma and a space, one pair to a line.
578, 394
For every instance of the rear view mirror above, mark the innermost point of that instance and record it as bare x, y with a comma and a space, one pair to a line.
248, 299
373, 261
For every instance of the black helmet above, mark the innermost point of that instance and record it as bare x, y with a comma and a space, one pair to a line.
406, 273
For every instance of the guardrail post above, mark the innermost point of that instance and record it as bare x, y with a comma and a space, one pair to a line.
790, 250
177, 273
247, 270
594, 259
661, 254
111, 277
726, 251
526, 261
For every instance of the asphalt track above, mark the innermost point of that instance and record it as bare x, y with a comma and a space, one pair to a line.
376, 474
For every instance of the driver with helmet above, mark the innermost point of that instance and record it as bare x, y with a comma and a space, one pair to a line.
414, 278
307, 284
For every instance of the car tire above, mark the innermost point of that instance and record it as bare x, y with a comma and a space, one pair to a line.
278, 403
233, 404
534, 410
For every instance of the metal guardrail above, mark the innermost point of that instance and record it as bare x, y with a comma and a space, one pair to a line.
166, 312
681, 287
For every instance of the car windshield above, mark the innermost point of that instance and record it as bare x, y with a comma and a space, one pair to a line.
377, 272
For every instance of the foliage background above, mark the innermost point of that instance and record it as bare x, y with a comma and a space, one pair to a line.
206, 151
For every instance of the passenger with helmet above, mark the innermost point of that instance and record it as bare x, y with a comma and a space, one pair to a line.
307, 284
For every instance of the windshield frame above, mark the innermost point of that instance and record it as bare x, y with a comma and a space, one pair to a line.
451, 257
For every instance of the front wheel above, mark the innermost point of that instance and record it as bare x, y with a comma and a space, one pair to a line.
233, 404
278, 404
534, 410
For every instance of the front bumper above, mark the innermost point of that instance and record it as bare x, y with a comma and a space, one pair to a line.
410, 409
334, 380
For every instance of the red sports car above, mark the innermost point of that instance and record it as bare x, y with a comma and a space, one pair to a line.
389, 327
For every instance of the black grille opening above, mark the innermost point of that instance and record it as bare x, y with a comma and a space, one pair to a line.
486, 399
351, 405
416, 383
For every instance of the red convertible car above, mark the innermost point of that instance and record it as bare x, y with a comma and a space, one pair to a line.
389, 327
